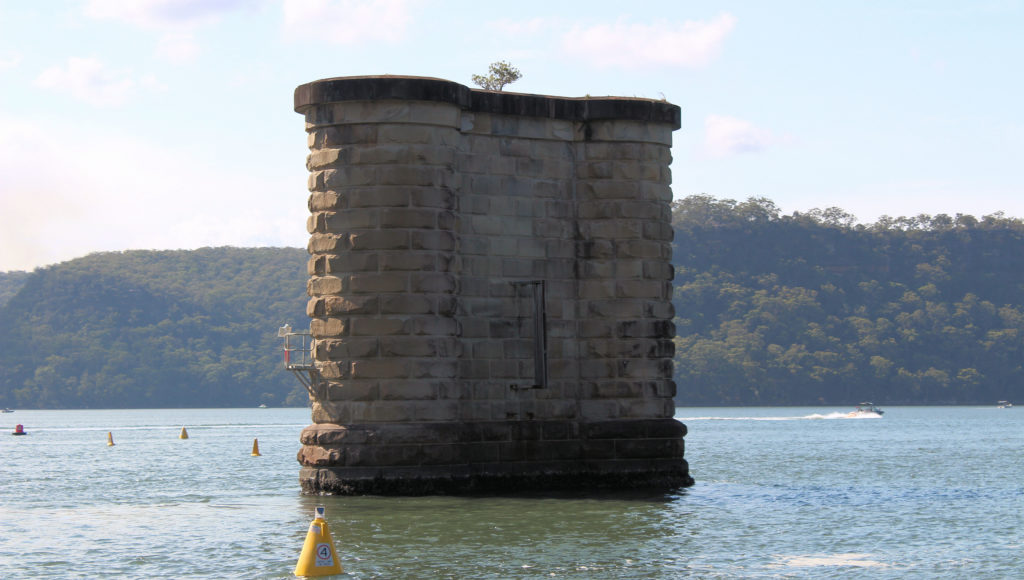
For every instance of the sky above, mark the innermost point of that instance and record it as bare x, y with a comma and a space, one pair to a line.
167, 124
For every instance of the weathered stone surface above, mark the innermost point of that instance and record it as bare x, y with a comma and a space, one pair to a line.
434, 211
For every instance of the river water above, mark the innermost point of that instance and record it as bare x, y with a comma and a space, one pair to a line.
923, 492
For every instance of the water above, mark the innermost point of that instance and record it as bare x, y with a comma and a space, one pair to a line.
925, 492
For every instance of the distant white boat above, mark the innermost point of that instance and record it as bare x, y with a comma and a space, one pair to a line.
1004, 404
262, 406
865, 410
6, 410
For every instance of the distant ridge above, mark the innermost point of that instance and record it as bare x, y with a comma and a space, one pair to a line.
770, 309
813, 308
145, 329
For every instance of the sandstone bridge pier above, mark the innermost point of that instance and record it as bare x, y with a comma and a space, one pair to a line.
490, 285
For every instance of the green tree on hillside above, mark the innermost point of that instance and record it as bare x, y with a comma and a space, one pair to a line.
814, 308
147, 329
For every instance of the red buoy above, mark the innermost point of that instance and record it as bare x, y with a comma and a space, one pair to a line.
19, 429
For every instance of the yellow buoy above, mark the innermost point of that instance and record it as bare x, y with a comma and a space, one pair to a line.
110, 439
184, 434
318, 557
255, 448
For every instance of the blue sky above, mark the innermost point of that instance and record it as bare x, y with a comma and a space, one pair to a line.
138, 124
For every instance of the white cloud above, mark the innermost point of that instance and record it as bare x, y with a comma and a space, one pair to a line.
116, 191
693, 43
177, 19
151, 83
89, 80
347, 21
530, 27
162, 13
725, 136
178, 47
9, 60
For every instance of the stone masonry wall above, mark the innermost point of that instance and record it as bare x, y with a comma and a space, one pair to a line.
435, 212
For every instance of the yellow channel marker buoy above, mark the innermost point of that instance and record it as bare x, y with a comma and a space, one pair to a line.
255, 448
184, 434
110, 439
318, 557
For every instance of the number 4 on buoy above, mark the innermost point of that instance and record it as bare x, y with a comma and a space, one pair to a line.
318, 557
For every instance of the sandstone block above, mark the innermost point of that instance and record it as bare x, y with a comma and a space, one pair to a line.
351, 219
614, 309
658, 231
321, 158
602, 290
345, 348
636, 171
380, 369
380, 240
650, 289
350, 262
409, 346
322, 285
347, 176
409, 218
340, 306
327, 244
379, 197
432, 240
407, 304
401, 390
658, 270
416, 175
655, 191
377, 282
327, 327
599, 410
433, 369
433, 282
432, 326
435, 411
633, 131
333, 370
377, 326
326, 201
385, 412
339, 136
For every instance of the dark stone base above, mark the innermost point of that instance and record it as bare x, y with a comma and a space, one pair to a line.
341, 481
493, 457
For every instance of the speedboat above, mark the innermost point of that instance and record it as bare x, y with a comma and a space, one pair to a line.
866, 410
1004, 404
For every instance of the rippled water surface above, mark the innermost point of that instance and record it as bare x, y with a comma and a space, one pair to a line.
781, 493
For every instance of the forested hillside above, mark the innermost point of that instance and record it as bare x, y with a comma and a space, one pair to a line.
811, 308
10, 283
146, 329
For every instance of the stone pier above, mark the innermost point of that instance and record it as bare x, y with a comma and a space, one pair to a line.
490, 290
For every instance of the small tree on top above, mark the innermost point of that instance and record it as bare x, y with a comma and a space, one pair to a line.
502, 73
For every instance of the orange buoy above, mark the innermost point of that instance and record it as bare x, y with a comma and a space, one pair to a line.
255, 448
184, 434
110, 439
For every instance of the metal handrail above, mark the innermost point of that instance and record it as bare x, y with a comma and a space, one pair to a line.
298, 359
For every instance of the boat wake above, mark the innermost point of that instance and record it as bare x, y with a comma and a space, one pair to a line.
814, 416
831, 560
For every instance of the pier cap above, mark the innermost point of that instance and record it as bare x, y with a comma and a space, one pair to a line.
397, 87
